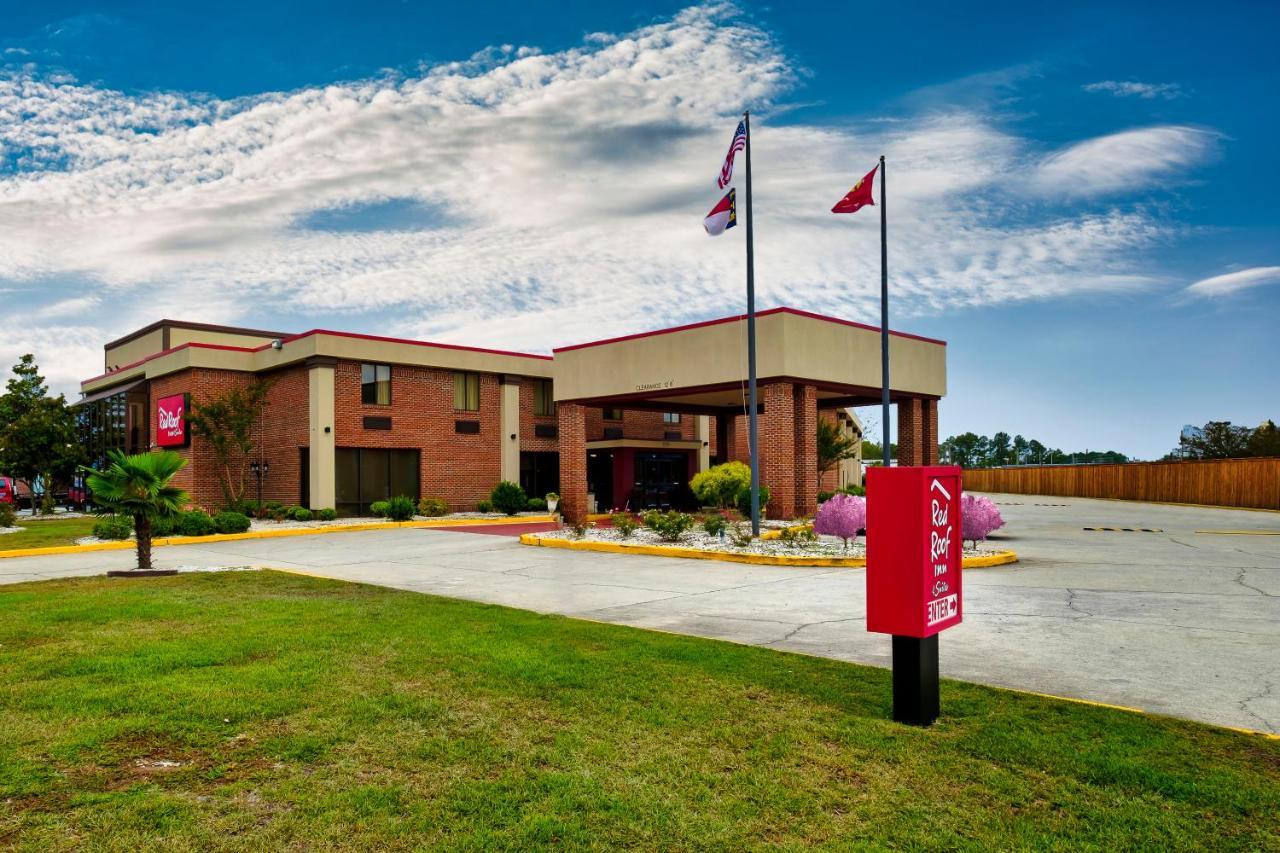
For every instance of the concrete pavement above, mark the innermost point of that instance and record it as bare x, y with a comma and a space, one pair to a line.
1177, 622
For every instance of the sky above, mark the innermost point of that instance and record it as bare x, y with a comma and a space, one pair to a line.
1081, 197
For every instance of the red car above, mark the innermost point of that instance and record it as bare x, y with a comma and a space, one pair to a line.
8, 491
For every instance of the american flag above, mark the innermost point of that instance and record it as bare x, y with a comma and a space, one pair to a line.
739, 142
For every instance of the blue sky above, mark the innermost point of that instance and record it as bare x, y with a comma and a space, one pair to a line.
1081, 195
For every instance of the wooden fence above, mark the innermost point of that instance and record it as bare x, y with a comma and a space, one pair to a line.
1218, 482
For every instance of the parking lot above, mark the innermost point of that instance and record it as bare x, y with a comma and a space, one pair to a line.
1178, 614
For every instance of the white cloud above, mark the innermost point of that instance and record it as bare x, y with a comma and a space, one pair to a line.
1129, 160
573, 187
1135, 89
1233, 282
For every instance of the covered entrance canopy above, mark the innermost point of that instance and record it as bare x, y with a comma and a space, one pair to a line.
804, 362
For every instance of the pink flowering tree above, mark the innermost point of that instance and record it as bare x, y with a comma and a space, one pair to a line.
979, 517
841, 515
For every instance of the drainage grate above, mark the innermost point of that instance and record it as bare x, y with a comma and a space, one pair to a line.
1123, 529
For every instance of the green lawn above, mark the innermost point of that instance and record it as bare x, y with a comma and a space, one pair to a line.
304, 712
45, 534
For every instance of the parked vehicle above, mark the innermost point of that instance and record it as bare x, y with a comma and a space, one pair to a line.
8, 490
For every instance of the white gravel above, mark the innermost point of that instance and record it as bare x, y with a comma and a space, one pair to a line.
4, 530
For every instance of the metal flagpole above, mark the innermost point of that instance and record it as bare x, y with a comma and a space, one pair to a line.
751, 344
884, 311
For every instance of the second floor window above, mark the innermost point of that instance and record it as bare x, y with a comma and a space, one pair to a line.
613, 414
671, 417
466, 392
375, 384
544, 402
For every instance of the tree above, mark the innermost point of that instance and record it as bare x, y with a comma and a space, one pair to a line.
719, 485
1265, 440
966, 450
1019, 449
140, 486
834, 446
1217, 440
228, 423
1036, 452
872, 453
1000, 448
39, 445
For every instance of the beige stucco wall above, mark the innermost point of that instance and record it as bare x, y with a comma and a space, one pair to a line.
131, 351
511, 431
179, 336
322, 457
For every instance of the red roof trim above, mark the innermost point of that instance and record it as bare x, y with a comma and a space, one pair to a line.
737, 318
170, 351
363, 337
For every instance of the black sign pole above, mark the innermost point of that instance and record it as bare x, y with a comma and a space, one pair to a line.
915, 659
751, 343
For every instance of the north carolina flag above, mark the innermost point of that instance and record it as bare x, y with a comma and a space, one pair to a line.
858, 197
723, 216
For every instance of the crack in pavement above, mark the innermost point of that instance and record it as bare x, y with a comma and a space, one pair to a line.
1073, 606
1244, 706
1240, 580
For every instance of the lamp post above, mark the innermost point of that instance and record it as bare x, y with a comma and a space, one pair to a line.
259, 471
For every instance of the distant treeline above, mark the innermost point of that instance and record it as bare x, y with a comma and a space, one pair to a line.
970, 450
1222, 440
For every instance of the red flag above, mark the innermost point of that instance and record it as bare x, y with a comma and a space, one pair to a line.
858, 197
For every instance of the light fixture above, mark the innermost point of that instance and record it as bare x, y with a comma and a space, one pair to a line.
277, 344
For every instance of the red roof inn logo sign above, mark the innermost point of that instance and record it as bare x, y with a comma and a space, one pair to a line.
913, 575
171, 421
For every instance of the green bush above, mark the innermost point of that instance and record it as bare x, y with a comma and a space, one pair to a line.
580, 527
625, 523
7, 515
378, 509
484, 506
196, 522
670, 525
401, 508
798, 537
860, 491
744, 500
432, 507
231, 522
740, 535
537, 504
508, 497
719, 485
164, 526
327, 514
823, 497
300, 513
113, 527
715, 524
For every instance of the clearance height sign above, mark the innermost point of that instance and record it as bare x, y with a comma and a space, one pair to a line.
913, 550
172, 429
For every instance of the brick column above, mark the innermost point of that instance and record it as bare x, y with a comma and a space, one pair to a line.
573, 460
805, 417
929, 425
727, 437
778, 448
910, 434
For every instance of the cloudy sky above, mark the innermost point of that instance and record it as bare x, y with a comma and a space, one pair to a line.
1079, 201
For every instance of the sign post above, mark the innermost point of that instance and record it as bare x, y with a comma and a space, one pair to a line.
913, 576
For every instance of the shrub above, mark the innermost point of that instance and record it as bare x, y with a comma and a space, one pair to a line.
853, 489
823, 497
625, 523
669, 525
401, 508
327, 514
537, 504
113, 527
508, 497
549, 497
195, 523
715, 524
300, 513
484, 506
164, 526
231, 522
740, 535
744, 500
432, 507
798, 536
272, 506
979, 517
7, 515
719, 485
843, 516
378, 508
580, 527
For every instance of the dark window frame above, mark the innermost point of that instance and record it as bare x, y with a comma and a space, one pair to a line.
671, 417
609, 413
544, 400
369, 388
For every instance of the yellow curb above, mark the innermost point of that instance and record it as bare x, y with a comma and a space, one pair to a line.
273, 534
1078, 701
1241, 532
998, 559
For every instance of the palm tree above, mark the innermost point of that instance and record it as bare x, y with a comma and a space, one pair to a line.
138, 486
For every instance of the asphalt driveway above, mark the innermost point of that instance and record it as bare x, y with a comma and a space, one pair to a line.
1178, 621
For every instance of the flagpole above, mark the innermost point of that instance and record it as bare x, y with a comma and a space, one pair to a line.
751, 343
884, 311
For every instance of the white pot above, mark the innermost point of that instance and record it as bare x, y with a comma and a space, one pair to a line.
551, 505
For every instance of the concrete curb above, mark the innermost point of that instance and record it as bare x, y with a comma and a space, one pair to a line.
999, 559
129, 544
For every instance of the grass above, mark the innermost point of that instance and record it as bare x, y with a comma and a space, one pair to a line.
46, 534
262, 710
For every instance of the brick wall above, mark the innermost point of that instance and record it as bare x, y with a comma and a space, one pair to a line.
910, 445
573, 460
461, 468
284, 432
805, 420
201, 476
528, 420
777, 447
929, 426
637, 424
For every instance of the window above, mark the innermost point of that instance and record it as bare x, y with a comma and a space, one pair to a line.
671, 417
544, 402
365, 475
375, 384
613, 414
466, 392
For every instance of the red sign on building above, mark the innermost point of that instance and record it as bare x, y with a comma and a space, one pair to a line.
913, 550
171, 421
